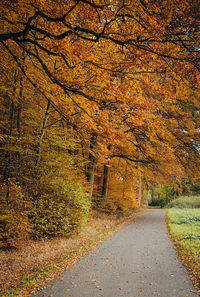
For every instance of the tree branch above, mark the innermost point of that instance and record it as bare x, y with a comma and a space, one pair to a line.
132, 160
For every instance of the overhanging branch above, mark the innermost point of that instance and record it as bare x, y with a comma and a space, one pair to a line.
131, 159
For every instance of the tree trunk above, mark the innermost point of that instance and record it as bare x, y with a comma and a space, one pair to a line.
90, 170
10, 132
139, 184
41, 135
19, 108
139, 191
152, 196
124, 181
105, 181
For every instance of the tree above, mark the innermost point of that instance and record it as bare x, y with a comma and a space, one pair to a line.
117, 79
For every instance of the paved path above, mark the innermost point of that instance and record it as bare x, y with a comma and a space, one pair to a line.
138, 260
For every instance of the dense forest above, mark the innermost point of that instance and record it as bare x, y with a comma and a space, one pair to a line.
99, 103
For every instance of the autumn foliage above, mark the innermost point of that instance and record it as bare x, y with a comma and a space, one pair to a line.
99, 101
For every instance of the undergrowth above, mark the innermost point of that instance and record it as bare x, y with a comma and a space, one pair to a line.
185, 202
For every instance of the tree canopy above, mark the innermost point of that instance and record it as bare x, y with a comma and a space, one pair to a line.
102, 92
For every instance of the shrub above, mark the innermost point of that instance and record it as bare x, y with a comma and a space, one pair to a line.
185, 202
14, 209
60, 210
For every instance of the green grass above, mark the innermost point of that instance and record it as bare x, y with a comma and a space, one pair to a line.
184, 228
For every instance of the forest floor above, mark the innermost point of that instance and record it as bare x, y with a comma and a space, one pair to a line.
25, 269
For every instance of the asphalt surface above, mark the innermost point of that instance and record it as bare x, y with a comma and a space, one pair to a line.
139, 260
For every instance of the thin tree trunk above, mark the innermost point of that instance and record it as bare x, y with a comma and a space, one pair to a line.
20, 98
139, 190
139, 184
91, 179
105, 178
19, 108
152, 196
12, 115
90, 170
105, 181
41, 135
124, 181
174, 192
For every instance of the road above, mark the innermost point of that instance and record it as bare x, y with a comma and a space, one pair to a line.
139, 260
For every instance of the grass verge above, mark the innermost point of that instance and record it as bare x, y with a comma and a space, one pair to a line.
184, 229
25, 270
